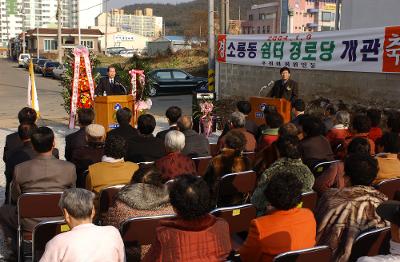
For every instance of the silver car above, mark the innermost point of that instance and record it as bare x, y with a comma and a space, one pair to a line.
59, 72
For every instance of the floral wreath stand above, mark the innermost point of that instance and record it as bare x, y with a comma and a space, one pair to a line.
82, 83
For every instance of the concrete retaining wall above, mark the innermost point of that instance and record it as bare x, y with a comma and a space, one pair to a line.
373, 89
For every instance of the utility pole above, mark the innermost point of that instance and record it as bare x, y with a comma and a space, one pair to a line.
227, 17
37, 41
106, 33
222, 18
79, 23
23, 29
211, 47
59, 41
338, 14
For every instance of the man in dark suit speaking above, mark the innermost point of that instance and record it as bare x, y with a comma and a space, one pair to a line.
110, 85
285, 87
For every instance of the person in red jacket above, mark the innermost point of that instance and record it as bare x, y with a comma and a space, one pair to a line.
194, 234
374, 116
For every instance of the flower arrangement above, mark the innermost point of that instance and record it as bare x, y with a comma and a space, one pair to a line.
84, 100
204, 116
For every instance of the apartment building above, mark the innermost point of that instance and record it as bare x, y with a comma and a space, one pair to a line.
140, 22
290, 16
17, 16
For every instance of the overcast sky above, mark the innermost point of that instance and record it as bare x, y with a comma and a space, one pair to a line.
120, 3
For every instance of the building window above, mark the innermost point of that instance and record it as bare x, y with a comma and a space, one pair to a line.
251, 17
258, 30
50, 44
263, 29
268, 29
87, 43
327, 16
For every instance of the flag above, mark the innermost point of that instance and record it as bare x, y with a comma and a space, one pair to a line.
32, 92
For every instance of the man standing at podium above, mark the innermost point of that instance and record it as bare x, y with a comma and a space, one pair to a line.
285, 87
110, 85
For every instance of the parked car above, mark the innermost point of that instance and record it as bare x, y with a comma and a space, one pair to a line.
114, 50
48, 68
22, 58
34, 61
59, 72
174, 81
39, 65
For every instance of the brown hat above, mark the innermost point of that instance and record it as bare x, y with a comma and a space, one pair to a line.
95, 130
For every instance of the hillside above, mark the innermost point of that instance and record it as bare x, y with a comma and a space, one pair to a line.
187, 18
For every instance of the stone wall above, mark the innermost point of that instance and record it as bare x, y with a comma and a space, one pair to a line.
373, 89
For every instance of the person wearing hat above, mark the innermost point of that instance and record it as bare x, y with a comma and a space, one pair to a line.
389, 211
89, 154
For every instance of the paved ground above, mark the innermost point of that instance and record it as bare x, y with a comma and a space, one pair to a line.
13, 95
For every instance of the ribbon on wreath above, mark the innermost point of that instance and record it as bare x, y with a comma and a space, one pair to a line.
206, 120
79, 51
134, 73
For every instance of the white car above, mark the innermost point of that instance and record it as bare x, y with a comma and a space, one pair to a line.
22, 59
59, 72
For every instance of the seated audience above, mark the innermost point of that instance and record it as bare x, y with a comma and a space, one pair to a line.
78, 139
44, 173
113, 169
175, 163
329, 117
338, 133
194, 235
146, 195
375, 116
360, 127
334, 176
229, 160
20, 155
390, 141
389, 165
237, 122
285, 228
389, 211
145, 147
85, 241
26, 115
196, 145
173, 113
342, 214
90, 154
125, 130
266, 157
314, 147
289, 161
244, 107
269, 135
268, 109
298, 109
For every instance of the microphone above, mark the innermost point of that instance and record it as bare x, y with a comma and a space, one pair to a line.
118, 83
267, 86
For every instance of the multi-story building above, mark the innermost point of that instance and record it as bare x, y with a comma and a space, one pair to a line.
290, 16
17, 16
141, 23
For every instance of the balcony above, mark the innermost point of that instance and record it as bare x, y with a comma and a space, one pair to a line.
312, 10
312, 25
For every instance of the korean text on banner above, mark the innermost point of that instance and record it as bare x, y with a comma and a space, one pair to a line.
360, 50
